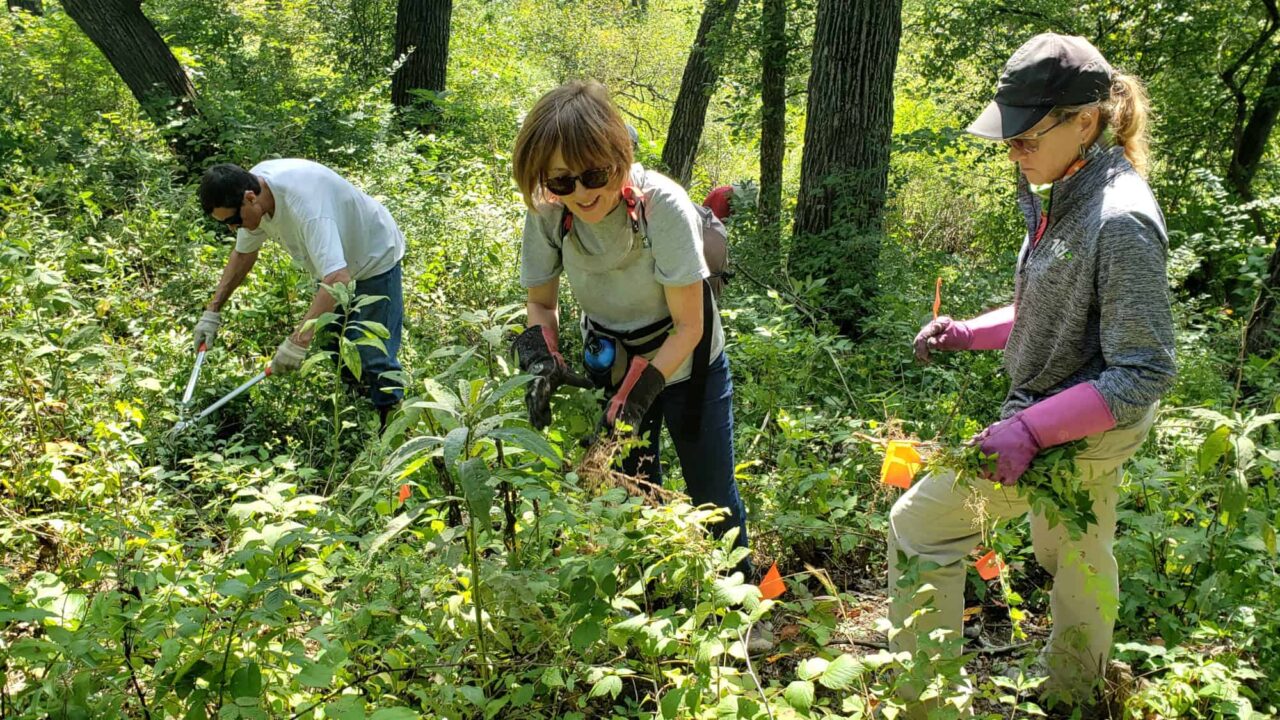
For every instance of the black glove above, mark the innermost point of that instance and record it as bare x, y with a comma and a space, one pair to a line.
539, 357
640, 388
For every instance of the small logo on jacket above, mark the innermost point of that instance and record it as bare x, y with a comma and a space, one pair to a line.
1060, 249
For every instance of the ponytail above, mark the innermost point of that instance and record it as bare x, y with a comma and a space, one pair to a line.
1127, 113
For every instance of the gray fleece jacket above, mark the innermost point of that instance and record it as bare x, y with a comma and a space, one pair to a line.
1091, 297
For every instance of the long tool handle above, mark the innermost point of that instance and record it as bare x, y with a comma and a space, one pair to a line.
195, 374
232, 395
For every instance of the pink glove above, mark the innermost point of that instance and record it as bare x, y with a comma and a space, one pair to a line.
1077, 412
989, 331
942, 333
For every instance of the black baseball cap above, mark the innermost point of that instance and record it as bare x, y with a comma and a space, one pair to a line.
1048, 71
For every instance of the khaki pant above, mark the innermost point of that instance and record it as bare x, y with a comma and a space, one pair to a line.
939, 524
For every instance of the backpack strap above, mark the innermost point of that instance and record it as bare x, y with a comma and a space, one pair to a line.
698, 373
636, 214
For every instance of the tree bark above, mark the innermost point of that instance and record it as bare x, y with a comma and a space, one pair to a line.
847, 137
35, 7
1257, 132
1245, 159
701, 72
142, 59
1262, 332
773, 109
422, 33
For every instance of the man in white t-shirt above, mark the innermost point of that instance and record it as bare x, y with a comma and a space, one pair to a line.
332, 230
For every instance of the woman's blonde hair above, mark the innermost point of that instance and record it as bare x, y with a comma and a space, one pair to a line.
580, 121
1127, 112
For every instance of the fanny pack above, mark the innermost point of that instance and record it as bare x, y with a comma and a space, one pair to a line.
607, 354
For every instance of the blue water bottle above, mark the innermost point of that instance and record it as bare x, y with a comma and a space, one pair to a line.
598, 354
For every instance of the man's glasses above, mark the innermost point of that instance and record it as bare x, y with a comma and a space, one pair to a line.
1028, 144
591, 179
233, 219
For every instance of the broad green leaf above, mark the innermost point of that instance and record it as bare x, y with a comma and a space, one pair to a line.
610, 684
799, 695
670, 703
474, 475
395, 527
497, 394
412, 448
841, 673
527, 439
1235, 493
1213, 448
350, 356
454, 444
233, 588
367, 300
586, 633
247, 681
552, 678
315, 675
395, 713
474, 695
811, 668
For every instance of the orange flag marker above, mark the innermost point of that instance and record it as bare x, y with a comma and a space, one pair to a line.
901, 463
989, 565
937, 298
772, 585
404, 493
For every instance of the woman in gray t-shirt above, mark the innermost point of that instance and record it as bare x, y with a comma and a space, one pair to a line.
629, 240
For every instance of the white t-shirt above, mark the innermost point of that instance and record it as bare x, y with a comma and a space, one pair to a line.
324, 222
618, 278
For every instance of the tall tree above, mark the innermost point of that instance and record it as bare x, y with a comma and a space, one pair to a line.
701, 73
422, 40
1260, 335
142, 59
773, 108
35, 7
845, 167
1251, 132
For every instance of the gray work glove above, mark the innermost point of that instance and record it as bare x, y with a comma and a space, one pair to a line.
206, 329
289, 357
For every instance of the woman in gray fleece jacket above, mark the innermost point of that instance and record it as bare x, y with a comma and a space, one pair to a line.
1089, 351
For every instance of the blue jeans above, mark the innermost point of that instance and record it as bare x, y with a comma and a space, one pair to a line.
707, 460
383, 392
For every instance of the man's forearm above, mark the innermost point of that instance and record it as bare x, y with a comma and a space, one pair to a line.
237, 269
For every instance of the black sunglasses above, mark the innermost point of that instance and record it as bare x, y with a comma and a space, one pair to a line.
593, 179
233, 219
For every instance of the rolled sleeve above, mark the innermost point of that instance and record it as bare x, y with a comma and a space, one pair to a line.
540, 257
1136, 323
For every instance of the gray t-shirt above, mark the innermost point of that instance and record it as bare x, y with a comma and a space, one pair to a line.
617, 276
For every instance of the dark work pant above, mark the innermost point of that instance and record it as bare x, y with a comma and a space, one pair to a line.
706, 460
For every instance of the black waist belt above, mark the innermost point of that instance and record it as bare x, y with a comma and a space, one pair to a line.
647, 339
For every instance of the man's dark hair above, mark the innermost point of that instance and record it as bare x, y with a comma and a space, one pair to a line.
223, 186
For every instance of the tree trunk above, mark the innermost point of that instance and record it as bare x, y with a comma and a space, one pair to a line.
845, 167
422, 33
1257, 132
773, 109
35, 7
1262, 332
142, 59
701, 73
1247, 156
